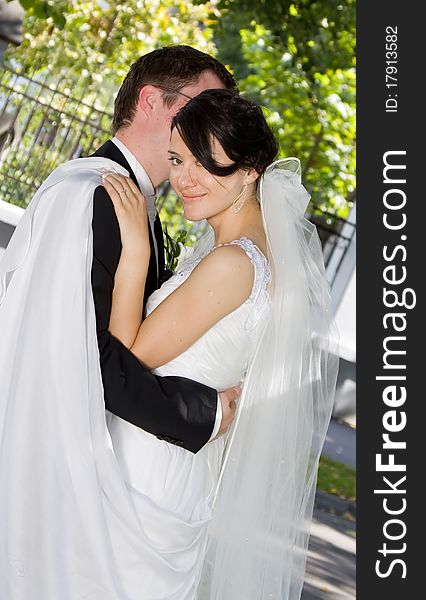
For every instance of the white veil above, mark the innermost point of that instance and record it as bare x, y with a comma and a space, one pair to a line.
59, 480
67, 491
260, 530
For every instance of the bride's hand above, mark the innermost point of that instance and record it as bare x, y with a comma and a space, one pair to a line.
130, 208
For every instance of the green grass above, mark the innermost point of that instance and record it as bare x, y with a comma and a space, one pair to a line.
335, 478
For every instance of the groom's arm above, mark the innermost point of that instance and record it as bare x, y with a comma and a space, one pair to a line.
175, 409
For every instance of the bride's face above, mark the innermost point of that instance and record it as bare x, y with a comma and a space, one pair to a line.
203, 195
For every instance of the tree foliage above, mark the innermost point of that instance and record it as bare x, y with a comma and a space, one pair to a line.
297, 59
99, 40
70, 74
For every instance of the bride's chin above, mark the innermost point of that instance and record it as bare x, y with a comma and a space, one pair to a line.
190, 216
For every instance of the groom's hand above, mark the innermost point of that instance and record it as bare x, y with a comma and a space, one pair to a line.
228, 398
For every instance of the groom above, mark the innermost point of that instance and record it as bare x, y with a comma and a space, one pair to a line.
175, 409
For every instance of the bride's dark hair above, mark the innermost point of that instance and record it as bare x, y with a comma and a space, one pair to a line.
237, 123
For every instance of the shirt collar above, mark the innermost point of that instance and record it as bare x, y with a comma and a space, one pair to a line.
141, 175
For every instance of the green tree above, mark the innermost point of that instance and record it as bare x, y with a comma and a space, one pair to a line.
98, 41
296, 59
47, 9
75, 66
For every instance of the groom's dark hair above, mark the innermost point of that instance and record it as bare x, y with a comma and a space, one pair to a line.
172, 68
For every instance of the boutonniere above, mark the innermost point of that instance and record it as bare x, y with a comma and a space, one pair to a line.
173, 248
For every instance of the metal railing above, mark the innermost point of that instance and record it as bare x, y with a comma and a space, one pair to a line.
336, 235
42, 124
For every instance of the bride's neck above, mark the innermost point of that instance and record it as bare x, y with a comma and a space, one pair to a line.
228, 226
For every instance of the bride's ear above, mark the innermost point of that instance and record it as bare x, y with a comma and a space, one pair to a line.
251, 176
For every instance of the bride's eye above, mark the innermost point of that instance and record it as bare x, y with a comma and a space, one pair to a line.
175, 161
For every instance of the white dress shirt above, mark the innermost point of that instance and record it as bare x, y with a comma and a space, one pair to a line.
146, 187
148, 191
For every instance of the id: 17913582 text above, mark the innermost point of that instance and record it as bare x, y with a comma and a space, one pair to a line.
391, 78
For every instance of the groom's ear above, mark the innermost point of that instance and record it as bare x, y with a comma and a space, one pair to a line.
147, 97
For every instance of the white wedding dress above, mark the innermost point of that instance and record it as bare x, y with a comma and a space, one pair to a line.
173, 489
90, 513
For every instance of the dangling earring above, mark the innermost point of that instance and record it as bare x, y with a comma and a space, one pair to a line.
237, 203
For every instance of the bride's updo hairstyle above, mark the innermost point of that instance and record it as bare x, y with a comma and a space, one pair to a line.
238, 125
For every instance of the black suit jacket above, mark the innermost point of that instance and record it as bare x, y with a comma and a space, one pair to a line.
175, 409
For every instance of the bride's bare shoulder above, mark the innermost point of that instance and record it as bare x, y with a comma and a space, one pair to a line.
229, 267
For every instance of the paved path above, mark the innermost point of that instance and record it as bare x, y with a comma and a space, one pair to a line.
331, 564
340, 443
330, 569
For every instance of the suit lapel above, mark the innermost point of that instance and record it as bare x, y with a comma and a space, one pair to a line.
111, 151
158, 231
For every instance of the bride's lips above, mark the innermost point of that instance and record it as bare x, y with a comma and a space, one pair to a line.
189, 198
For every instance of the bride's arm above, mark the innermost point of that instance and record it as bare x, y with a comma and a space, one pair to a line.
217, 286
130, 277
221, 282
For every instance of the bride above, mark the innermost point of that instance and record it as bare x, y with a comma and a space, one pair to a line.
98, 509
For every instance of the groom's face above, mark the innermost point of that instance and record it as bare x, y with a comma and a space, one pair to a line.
207, 81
